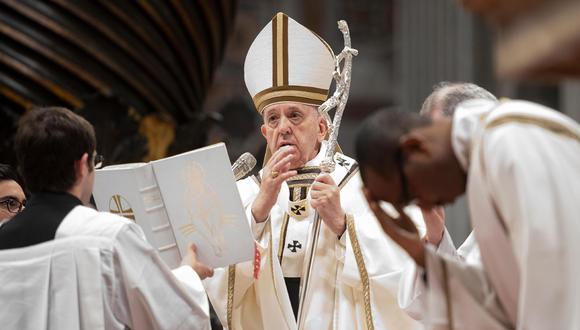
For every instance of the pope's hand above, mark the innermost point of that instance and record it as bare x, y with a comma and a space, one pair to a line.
325, 199
190, 259
274, 173
402, 230
435, 223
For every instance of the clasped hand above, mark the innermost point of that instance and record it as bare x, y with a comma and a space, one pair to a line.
325, 199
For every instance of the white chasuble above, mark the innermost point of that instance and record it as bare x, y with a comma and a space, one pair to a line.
523, 164
355, 277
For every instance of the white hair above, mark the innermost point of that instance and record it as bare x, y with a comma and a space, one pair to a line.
449, 94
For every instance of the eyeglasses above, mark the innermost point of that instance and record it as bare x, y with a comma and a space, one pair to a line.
12, 204
98, 161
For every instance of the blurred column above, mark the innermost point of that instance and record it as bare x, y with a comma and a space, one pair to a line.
435, 41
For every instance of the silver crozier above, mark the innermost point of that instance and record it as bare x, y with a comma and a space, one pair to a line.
338, 100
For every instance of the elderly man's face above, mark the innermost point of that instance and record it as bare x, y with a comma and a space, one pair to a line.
297, 125
11, 199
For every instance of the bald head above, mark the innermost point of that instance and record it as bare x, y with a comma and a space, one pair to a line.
447, 95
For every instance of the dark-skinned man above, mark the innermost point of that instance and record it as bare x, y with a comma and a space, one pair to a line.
518, 164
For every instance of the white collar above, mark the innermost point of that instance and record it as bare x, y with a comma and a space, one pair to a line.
317, 160
467, 121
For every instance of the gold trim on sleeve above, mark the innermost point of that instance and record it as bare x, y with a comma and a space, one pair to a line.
231, 286
364, 276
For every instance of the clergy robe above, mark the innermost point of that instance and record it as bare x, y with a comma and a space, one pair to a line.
523, 166
58, 284
149, 295
355, 277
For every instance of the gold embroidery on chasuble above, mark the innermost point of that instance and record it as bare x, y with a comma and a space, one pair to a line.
298, 205
299, 186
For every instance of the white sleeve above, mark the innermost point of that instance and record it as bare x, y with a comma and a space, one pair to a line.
148, 295
459, 294
249, 189
469, 250
446, 246
411, 293
191, 281
257, 227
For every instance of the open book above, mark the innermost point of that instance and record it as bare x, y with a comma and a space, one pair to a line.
190, 197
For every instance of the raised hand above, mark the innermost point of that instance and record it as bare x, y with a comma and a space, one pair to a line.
402, 230
325, 199
274, 173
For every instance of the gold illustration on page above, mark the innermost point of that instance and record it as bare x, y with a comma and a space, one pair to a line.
205, 209
120, 206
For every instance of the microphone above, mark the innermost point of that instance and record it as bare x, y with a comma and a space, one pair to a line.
243, 165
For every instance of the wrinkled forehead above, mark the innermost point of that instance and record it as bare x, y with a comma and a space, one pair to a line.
282, 106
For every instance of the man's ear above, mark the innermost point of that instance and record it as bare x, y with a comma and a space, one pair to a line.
263, 130
413, 142
82, 167
322, 128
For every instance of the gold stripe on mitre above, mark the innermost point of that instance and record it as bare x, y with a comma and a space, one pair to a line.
301, 94
280, 50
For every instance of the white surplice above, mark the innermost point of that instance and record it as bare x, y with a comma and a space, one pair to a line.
523, 165
144, 292
59, 284
355, 278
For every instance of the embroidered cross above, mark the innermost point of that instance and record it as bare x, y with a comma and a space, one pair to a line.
342, 162
295, 245
298, 209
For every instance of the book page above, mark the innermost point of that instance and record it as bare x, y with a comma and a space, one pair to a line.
204, 205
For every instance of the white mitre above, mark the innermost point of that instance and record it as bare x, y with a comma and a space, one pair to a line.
288, 62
